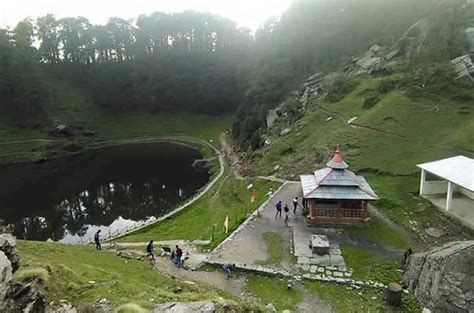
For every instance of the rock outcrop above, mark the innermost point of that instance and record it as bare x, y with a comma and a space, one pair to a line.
16, 297
443, 278
463, 68
374, 61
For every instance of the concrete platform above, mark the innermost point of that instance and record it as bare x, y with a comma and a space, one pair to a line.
462, 208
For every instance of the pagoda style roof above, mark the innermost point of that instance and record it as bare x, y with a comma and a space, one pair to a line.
336, 182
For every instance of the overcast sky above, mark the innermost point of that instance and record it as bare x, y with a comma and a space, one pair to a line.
249, 13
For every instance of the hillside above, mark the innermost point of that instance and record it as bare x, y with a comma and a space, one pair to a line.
384, 143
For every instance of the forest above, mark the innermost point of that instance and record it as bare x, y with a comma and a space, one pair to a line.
194, 62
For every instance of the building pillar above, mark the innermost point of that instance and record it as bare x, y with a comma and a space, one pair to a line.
449, 196
312, 210
422, 182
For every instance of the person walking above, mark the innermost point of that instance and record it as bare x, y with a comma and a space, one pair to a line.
179, 255
295, 204
97, 240
278, 209
149, 250
228, 268
287, 211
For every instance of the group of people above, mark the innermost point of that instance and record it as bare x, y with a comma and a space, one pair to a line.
279, 208
176, 254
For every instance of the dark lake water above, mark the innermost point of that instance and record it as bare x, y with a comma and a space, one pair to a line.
114, 188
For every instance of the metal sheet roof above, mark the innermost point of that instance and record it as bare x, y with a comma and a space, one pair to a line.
338, 178
312, 188
458, 169
339, 192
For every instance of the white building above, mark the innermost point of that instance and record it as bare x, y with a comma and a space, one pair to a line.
449, 184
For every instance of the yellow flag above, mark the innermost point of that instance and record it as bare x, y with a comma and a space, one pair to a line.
253, 196
226, 224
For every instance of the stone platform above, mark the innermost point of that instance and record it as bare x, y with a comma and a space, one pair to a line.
306, 256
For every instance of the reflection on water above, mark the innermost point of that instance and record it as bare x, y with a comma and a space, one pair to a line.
112, 189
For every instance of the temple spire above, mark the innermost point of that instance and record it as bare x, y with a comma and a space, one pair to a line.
337, 162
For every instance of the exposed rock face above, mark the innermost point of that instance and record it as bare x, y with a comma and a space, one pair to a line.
443, 278
8, 247
6, 274
374, 61
16, 297
463, 67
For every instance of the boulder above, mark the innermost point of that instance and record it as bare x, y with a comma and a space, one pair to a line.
272, 116
88, 133
270, 308
442, 278
62, 131
285, 131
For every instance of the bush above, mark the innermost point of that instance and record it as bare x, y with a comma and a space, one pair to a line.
370, 101
387, 85
340, 88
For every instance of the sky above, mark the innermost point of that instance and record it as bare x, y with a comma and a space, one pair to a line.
248, 13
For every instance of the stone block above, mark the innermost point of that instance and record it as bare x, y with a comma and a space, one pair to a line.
321, 269
303, 260
313, 269
338, 274
305, 267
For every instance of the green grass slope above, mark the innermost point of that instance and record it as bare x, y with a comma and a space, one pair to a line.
80, 275
384, 144
229, 196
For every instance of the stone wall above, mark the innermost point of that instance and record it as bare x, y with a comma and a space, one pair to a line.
443, 278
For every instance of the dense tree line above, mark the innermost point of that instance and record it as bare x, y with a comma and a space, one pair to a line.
202, 63
190, 62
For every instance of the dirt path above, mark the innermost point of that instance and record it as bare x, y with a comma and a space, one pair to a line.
232, 157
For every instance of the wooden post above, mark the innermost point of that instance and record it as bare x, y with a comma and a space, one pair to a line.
213, 232
393, 295
338, 212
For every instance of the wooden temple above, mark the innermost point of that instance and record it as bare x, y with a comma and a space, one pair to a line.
336, 195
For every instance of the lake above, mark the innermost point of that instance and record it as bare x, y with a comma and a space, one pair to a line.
111, 189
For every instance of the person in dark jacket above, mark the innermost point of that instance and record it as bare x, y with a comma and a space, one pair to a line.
97, 240
178, 256
149, 250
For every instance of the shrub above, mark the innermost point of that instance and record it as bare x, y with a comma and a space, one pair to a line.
340, 88
370, 101
387, 85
